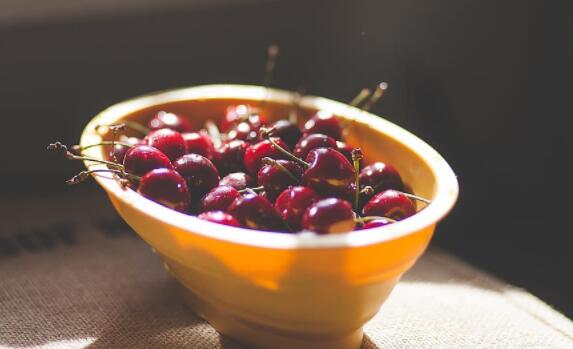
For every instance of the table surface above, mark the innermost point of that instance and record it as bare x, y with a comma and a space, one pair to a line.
75, 276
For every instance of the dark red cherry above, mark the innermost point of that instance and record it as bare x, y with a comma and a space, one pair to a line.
287, 131
230, 157
218, 199
381, 176
263, 149
118, 151
244, 131
375, 223
242, 112
199, 143
313, 141
166, 187
199, 173
329, 216
293, 202
277, 175
390, 203
324, 122
255, 212
219, 217
363, 197
141, 159
168, 141
329, 173
346, 150
173, 121
237, 180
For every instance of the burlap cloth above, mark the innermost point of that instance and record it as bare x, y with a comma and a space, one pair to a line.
73, 276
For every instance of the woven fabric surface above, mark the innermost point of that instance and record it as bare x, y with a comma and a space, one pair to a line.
72, 275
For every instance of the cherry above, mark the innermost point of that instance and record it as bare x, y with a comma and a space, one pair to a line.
325, 123
313, 141
277, 175
176, 122
287, 131
229, 158
218, 199
293, 202
199, 173
141, 159
329, 172
199, 143
378, 222
381, 176
390, 203
346, 150
166, 187
119, 150
256, 152
168, 141
242, 112
255, 212
237, 180
219, 217
329, 216
244, 131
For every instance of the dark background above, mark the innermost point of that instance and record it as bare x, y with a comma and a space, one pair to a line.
487, 83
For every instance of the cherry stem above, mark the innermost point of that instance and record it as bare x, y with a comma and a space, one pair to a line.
294, 111
82, 176
77, 149
416, 197
360, 97
372, 218
214, 132
265, 134
255, 189
356, 157
367, 190
272, 54
273, 162
378, 93
136, 126
63, 150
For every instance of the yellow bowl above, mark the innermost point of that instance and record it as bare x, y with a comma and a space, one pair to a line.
272, 290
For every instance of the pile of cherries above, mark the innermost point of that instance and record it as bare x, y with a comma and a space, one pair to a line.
248, 173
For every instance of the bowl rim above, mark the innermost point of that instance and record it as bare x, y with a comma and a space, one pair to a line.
447, 188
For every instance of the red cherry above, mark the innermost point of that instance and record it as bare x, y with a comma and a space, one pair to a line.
293, 202
381, 176
218, 199
324, 122
255, 212
166, 187
173, 121
237, 180
346, 150
230, 157
313, 141
329, 173
277, 175
168, 141
118, 151
390, 203
244, 131
219, 217
141, 159
199, 173
199, 143
238, 113
329, 216
287, 131
375, 223
256, 152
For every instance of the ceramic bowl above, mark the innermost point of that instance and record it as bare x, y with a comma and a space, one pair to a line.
275, 290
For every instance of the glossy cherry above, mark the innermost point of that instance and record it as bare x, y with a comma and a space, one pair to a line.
176, 122
166, 187
237, 180
238, 113
329, 172
168, 141
117, 153
230, 157
329, 216
219, 217
287, 131
255, 212
313, 141
375, 223
324, 122
199, 173
141, 159
199, 143
244, 131
381, 176
390, 203
218, 199
293, 202
277, 175
256, 152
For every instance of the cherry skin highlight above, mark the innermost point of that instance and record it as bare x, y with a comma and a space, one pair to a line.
273, 176
168, 141
199, 173
375, 223
218, 199
219, 217
141, 159
255, 212
256, 152
390, 203
329, 173
230, 157
329, 216
199, 143
325, 123
166, 187
176, 122
313, 141
381, 176
293, 202
238, 113
237, 180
